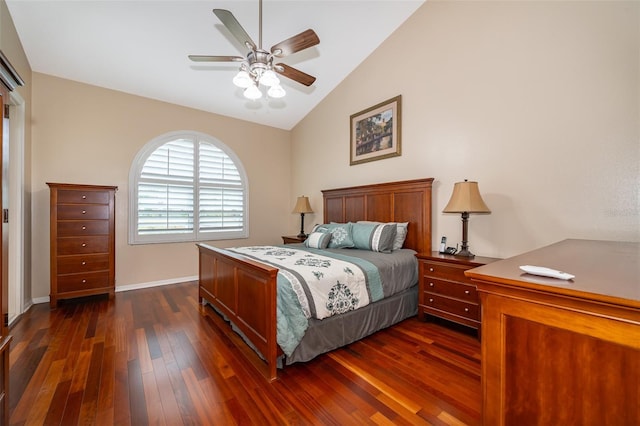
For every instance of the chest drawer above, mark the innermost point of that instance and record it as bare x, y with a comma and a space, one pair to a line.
452, 306
451, 289
83, 227
82, 263
71, 196
83, 245
79, 282
91, 211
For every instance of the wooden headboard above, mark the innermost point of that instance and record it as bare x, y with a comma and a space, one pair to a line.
405, 201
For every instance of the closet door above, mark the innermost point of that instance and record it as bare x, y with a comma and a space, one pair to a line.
9, 80
5, 339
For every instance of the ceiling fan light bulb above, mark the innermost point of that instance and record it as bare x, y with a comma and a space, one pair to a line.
242, 79
252, 92
269, 78
276, 92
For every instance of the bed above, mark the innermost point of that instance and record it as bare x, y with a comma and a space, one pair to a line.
243, 289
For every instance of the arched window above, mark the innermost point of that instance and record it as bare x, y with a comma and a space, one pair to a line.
187, 186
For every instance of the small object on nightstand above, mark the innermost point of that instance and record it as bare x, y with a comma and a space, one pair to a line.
445, 291
293, 239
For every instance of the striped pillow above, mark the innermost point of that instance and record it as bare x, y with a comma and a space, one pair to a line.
374, 237
318, 240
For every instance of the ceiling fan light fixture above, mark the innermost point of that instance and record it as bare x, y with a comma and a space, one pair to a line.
269, 78
276, 92
242, 79
252, 92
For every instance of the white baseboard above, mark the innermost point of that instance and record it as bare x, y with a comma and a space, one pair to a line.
155, 283
138, 286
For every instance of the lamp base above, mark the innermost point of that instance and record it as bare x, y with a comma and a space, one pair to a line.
464, 252
302, 235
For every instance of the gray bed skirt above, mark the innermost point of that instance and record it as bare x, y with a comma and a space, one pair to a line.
337, 331
334, 332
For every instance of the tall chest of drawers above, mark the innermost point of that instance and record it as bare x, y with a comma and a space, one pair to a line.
82, 241
445, 291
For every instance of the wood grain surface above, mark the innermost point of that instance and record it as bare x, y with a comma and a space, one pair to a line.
155, 356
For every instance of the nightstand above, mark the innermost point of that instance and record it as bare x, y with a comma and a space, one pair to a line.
444, 290
292, 239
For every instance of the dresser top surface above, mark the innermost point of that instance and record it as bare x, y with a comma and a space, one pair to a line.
608, 271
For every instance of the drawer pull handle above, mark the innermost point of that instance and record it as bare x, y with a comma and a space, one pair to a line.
84, 263
430, 300
84, 244
466, 309
430, 284
84, 197
430, 269
467, 292
84, 212
84, 281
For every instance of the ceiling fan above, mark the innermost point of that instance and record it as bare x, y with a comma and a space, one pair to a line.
258, 67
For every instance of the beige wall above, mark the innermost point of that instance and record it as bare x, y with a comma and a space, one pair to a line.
537, 101
85, 134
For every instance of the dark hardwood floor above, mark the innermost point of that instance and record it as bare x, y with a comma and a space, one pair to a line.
155, 356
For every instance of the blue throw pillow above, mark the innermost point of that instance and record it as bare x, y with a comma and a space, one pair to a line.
374, 237
340, 234
401, 231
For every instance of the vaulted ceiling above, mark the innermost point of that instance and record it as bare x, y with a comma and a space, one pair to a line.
141, 46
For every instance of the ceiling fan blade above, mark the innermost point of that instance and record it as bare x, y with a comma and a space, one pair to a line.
294, 44
235, 28
295, 74
208, 58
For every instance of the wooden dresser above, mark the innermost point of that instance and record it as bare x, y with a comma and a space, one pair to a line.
444, 290
82, 241
562, 352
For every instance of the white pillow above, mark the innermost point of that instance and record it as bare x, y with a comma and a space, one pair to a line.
401, 232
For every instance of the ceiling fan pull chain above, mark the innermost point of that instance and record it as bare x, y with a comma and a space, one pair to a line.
260, 26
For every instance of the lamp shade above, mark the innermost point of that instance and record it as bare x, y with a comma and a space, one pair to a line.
302, 205
466, 198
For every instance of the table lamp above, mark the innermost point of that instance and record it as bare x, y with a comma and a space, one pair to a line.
302, 207
466, 199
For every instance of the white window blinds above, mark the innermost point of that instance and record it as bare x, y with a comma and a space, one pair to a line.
188, 188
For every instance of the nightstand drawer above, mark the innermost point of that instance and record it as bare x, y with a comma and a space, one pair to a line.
452, 306
445, 271
452, 289
445, 292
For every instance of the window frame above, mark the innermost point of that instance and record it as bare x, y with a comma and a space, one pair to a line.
134, 238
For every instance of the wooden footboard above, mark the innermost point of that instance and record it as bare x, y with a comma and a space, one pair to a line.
244, 291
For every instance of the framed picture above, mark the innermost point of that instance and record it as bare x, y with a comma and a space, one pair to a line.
375, 132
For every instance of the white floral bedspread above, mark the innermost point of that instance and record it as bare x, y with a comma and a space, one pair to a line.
325, 284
